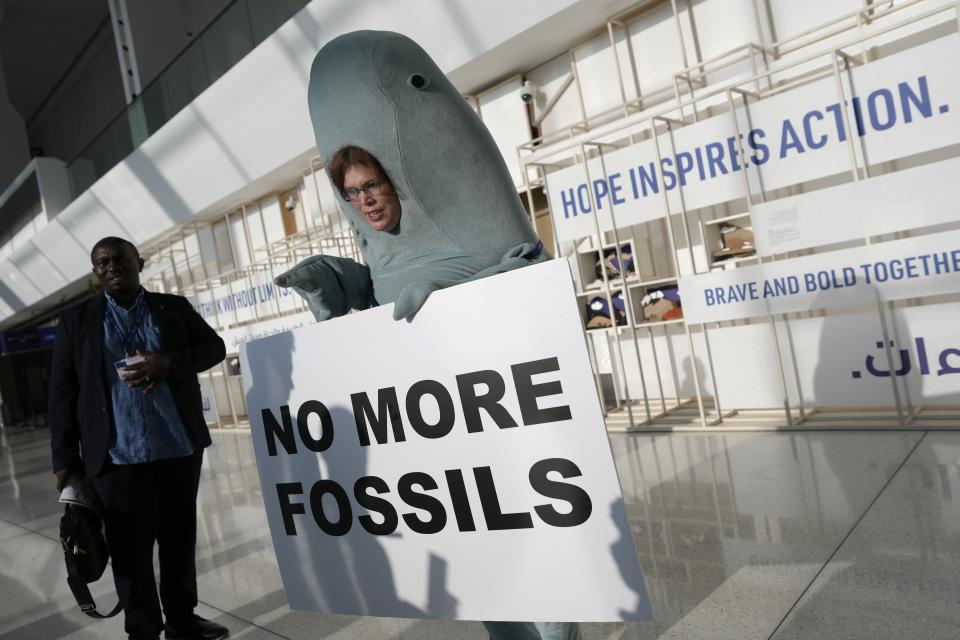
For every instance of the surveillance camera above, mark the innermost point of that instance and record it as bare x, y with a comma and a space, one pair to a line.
528, 91
290, 204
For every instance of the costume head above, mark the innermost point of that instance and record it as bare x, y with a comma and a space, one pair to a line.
461, 216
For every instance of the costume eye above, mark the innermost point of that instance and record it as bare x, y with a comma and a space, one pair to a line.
418, 81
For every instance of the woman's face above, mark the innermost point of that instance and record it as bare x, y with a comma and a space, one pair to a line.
376, 200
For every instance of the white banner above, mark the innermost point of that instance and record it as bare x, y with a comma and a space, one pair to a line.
245, 299
841, 360
455, 466
909, 199
834, 360
908, 268
901, 105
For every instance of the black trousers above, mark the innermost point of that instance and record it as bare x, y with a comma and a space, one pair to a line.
153, 502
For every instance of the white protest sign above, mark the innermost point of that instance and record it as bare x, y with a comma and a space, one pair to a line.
455, 466
908, 268
900, 105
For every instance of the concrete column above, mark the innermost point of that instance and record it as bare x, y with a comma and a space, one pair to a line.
126, 55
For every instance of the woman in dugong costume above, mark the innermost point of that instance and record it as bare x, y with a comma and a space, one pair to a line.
458, 217
462, 219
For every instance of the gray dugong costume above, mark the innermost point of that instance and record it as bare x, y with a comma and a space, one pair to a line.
461, 217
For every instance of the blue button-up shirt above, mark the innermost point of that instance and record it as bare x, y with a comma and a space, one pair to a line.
147, 427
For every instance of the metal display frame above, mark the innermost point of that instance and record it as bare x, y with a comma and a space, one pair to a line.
591, 136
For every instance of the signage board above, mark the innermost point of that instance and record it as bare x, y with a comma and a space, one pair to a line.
898, 106
455, 466
909, 268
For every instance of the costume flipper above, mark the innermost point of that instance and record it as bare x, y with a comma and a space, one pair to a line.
414, 295
330, 285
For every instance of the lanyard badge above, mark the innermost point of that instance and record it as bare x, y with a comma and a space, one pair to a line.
127, 337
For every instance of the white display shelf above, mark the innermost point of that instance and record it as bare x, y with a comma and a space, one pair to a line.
713, 239
583, 301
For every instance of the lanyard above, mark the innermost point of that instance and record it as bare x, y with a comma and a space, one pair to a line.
127, 337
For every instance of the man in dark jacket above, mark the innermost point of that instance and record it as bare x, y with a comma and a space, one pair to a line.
125, 410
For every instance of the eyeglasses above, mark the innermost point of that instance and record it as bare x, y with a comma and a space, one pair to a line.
372, 188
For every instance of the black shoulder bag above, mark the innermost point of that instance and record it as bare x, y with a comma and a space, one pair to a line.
85, 552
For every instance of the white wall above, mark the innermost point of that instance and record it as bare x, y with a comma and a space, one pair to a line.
552, 77
659, 51
505, 115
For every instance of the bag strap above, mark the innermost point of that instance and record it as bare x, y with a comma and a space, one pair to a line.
82, 593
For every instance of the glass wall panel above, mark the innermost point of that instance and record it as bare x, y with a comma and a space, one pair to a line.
153, 105
267, 16
105, 151
82, 175
21, 207
185, 79
243, 25
227, 40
